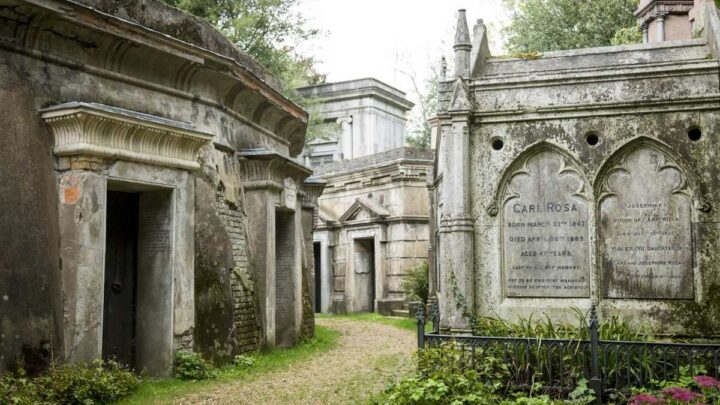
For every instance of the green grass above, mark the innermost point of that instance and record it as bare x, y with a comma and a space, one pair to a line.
400, 323
166, 389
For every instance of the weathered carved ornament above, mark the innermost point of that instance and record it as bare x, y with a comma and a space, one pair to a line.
97, 130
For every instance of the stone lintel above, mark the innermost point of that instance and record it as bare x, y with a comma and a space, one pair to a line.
96, 130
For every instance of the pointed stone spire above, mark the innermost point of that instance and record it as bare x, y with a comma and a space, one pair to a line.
462, 47
443, 68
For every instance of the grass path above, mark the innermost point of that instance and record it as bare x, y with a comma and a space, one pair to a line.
366, 356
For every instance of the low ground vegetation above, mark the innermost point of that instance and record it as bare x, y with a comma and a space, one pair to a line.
447, 375
98, 382
106, 382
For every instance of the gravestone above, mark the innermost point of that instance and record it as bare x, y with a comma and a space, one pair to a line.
545, 230
645, 228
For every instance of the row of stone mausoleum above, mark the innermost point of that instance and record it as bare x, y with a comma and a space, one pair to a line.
373, 218
149, 202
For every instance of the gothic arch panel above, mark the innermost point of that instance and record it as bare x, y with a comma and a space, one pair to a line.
544, 210
645, 224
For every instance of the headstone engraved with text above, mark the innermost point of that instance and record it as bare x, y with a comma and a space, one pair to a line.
645, 228
545, 230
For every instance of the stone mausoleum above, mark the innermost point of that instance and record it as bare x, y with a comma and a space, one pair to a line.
580, 177
149, 202
372, 224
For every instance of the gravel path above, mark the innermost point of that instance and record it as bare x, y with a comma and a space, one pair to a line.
367, 355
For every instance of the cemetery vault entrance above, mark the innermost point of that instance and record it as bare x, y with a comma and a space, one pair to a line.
317, 257
365, 274
119, 298
138, 305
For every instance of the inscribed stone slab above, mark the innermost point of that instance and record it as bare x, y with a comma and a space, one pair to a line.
545, 230
645, 229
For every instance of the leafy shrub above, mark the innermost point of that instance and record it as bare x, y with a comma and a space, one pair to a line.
21, 390
244, 361
89, 383
192, 366
98, 382
416, 285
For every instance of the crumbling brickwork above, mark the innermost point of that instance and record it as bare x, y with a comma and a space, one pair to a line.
245, 319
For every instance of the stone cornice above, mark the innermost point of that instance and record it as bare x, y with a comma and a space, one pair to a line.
208, 61
266, 169
90, 129
311, 190
663, 7
606, 109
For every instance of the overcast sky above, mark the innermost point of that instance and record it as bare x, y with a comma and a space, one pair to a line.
384, 38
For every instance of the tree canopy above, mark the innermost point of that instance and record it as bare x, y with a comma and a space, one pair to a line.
426, 93
550, 25
269, 31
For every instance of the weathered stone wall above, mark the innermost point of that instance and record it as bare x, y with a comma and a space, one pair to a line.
178, 78
30, 307
307, 329
581, 177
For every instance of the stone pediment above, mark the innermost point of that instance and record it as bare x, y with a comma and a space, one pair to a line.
364, 209
460, 101
98, 130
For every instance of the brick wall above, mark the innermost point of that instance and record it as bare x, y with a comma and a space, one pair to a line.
245, 311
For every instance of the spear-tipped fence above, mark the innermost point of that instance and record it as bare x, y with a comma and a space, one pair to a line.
609, 366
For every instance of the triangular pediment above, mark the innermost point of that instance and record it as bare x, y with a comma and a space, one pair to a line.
364, 209
460, 101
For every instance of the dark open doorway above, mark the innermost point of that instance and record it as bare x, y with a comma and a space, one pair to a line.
120, 295
318, 279
365, 274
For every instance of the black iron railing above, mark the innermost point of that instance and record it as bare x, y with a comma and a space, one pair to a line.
609, 366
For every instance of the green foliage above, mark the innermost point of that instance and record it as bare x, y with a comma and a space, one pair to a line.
544, 328
416, 284
550, 25
244, 361
192, 366
446, 376
269, 31
627, 36
97, 382
427, 96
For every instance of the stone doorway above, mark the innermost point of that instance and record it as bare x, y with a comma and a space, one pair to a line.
365, 274
285, 335
317, 255
138, 302
119, 304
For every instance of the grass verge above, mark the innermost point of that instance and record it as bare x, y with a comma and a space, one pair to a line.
400, 323
164, 390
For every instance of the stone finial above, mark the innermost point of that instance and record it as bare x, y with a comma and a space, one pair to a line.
462, 33
462, 46
443, 68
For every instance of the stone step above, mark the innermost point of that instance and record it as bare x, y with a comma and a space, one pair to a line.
404, 313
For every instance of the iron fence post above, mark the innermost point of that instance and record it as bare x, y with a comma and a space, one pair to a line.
420, 316
436, 316
595, 382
